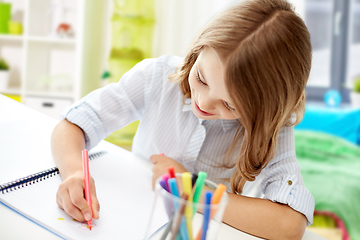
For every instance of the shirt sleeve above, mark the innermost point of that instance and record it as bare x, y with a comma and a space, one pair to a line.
112, 107
283, 183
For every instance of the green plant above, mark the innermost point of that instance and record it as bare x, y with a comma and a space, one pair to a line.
357, 85
3, 65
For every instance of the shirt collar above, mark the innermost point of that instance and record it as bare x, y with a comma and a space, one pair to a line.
226, 124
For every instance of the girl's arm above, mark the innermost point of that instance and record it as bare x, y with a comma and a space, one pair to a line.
67, 142
264, 218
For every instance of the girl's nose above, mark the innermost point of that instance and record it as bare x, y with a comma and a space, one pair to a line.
206, 104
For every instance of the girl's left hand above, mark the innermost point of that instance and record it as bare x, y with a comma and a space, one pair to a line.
161, 163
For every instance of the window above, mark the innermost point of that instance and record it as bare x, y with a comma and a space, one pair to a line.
353, 66
334, 27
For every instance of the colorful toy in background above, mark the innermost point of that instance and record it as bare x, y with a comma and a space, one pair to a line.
5, 17
15, 28
332, 98
64, 30
60, 28
4, 75
105, 78
6, 25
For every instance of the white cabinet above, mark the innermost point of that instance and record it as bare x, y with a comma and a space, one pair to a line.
49, 106
47, 68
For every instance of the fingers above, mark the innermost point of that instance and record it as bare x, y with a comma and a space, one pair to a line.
95, 206
94, 200
155, 158
70, 198
65, 203
77, 199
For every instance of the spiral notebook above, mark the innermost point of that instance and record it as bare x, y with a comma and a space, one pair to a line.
123, 189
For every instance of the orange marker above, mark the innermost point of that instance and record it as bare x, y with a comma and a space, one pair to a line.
85, 160
214, 200
217, 197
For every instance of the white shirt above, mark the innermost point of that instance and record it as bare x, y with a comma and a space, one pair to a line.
168, 126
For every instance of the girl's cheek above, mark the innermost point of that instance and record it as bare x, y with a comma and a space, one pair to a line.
228, 115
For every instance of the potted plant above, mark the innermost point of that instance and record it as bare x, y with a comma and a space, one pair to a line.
4, 75
355, 94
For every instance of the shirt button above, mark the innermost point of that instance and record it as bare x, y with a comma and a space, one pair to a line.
289, 182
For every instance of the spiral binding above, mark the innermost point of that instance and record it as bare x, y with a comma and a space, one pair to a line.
40, 176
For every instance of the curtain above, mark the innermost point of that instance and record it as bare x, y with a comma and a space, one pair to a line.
178, 22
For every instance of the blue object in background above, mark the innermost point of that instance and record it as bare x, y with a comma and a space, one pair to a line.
332, 98
341, 122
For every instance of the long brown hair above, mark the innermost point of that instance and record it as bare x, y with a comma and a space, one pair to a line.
267, 51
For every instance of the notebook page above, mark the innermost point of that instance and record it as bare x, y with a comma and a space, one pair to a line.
26, 151
124, 192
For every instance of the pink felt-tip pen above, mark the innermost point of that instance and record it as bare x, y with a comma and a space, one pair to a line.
85, 161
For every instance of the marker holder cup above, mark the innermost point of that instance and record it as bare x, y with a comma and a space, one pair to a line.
164, 209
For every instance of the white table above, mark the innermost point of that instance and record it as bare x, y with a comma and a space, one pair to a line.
14, 225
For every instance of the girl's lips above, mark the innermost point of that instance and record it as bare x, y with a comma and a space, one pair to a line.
201, 112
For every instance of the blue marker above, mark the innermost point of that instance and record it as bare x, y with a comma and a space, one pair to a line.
175, 191
173, 187
205, 226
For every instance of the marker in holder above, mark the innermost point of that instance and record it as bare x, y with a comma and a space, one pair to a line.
161, 218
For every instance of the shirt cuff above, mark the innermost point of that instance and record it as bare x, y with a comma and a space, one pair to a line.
296, 196
84, 117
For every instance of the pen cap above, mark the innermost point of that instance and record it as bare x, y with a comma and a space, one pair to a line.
167, 204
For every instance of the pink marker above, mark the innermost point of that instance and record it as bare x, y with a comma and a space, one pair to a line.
166, 177
85, 161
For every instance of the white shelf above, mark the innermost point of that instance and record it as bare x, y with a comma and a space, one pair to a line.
71, 67
49, 94
12, 91
52, 40
11, 37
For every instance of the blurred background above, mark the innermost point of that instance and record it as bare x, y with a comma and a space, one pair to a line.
53, 52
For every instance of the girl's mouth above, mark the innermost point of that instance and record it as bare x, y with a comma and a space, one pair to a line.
201, 112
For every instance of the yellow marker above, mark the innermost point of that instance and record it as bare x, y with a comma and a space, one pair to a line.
61, 219
187, 189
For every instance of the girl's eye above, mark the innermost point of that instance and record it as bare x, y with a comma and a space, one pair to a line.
199, 79
228, 107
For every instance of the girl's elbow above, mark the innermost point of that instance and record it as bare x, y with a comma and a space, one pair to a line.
294, 226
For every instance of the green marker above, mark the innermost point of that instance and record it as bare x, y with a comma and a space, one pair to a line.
198, 189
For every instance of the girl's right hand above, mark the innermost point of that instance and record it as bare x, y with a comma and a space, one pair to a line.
70, 197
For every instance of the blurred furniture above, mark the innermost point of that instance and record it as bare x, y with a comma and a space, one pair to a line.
132, 26
327, 149
49, 70
343, 121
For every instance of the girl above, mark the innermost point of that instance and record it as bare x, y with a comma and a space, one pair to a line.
229, 110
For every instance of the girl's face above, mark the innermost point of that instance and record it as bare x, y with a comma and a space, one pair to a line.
209, 96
